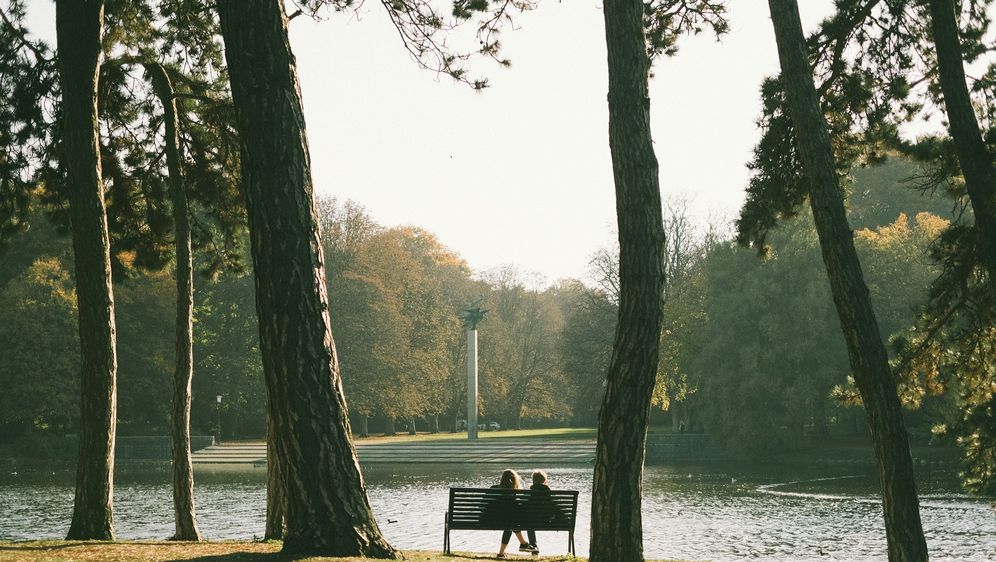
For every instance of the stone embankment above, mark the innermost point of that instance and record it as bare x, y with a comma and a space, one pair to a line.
495, 451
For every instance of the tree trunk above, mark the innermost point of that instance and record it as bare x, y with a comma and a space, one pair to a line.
365, 426
411, 430
434, 423
389, 426
276, 500
616, 523
327, 508
183, 468
79, 27
868, 357
973, 156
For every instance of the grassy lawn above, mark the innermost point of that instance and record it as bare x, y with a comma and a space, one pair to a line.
225, 551
560, 433
551, 434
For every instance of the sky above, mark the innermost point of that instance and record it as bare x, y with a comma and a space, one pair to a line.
520, 173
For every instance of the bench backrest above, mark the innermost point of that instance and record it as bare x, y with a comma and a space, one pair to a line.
501, 508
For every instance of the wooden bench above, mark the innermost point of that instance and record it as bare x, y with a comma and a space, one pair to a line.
498, 509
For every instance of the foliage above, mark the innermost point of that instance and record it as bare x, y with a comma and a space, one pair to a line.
519, 359
38, 367
137, 34
27, 75
586, 346
876, 65
802, 370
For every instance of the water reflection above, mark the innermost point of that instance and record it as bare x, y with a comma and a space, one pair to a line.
715, 513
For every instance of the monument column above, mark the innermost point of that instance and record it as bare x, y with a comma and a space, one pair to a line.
471, 317
471, 383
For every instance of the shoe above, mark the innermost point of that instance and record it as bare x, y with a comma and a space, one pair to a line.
500, 556
526, 547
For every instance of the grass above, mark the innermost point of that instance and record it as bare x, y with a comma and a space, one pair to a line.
555, 433
221, 551
560, 433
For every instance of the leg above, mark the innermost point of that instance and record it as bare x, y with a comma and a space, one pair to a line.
505, 536
518, 535
532, 536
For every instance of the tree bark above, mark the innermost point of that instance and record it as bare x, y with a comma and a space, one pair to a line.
185, 517
868, 357
276, 499
365, 426
79, 28
412, 430
389, 426
327, 508
975, 159
616, 522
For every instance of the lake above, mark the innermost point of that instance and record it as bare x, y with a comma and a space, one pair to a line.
721, 512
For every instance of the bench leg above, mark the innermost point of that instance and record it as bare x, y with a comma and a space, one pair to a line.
570, 543
446, 534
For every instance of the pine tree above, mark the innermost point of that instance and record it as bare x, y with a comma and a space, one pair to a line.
633, 32
327, 507
868, 357
79, 29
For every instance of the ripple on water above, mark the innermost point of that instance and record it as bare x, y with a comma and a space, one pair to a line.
726, 513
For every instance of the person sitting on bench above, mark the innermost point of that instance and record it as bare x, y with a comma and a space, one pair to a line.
510, 481
541, 499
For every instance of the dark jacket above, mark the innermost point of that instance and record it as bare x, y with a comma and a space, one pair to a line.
539, 501
500, 508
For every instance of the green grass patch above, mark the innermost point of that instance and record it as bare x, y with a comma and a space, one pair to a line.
559, 433
553, 434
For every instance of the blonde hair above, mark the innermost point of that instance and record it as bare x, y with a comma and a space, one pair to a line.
510, 479
539, 477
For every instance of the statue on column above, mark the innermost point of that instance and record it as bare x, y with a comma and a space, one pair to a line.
473, 314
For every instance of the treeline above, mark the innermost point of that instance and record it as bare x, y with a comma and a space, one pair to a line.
755, 345
394, 298
751, 350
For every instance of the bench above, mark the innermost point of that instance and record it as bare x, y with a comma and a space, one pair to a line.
497, 509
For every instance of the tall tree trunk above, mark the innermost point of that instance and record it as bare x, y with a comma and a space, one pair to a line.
975, 159
389, 426
183, 469
365, 426
412, 430
79, 27
276, 499
868, 357
616, 522
327, 508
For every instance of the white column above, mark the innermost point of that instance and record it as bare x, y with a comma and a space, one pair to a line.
472, 384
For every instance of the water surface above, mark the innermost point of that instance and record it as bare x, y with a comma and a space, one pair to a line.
690, 512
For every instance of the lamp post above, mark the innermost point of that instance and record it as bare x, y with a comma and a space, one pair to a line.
471, 317
219, 418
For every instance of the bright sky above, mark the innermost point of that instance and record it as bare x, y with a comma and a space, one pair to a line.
520, 174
